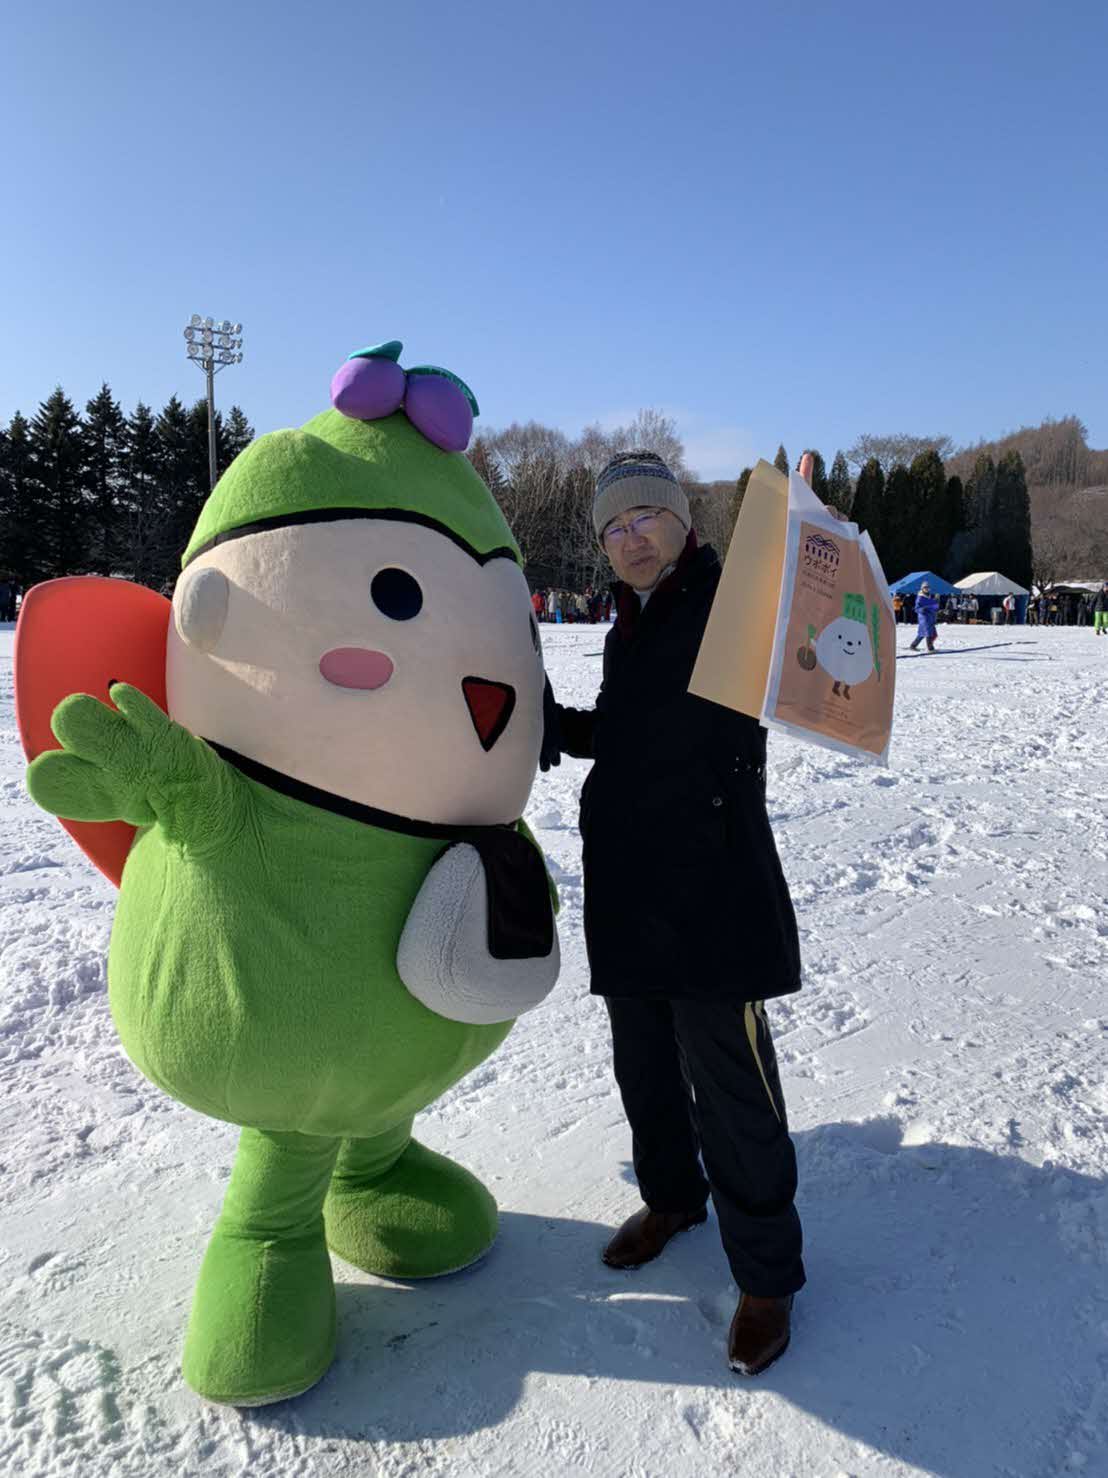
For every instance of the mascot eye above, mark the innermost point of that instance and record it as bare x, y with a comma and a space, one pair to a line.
396, 594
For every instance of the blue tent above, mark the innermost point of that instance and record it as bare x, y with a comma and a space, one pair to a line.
910, 584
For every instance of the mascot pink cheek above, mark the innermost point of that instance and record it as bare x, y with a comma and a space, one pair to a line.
356, 667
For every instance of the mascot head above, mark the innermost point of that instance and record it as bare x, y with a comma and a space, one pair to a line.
352, 611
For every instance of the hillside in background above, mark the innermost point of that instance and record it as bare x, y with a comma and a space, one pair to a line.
1068, 484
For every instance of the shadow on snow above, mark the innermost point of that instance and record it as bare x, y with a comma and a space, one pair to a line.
954, 1317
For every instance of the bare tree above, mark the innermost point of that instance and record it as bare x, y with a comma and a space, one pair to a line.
1056, 552
529, 502
1055, 453
518, 446
595, 448
545, 483
896, 447
650, 431
653, 431
714, 507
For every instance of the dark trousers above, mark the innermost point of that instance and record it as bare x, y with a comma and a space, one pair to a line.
699, 1083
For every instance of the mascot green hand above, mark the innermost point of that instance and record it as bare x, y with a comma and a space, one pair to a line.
128, 763
332, 910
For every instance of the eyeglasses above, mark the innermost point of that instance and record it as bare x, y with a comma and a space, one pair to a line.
645, 523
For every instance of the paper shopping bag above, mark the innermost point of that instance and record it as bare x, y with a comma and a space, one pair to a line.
733, 663
802, 633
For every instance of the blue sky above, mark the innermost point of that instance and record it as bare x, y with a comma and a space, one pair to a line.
785, 221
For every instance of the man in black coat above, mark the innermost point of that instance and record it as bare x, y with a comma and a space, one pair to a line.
688, 922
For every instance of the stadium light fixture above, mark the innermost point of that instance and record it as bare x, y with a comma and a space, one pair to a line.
213, 345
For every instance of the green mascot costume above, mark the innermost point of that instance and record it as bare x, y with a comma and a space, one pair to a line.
331, 911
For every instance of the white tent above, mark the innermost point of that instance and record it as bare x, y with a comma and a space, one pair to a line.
990, 583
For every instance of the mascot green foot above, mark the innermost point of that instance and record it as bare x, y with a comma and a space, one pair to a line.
262, 1327
401, 1211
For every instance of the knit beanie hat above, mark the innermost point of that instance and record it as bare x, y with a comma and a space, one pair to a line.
637, 480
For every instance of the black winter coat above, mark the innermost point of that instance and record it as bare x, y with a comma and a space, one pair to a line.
684, 893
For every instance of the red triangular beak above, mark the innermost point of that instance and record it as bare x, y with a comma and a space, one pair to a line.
490, 707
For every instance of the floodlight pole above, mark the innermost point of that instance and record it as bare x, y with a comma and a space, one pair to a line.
213, 471
214, 346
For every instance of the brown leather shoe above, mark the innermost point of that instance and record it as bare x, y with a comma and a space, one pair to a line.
642, 1236
759, 1333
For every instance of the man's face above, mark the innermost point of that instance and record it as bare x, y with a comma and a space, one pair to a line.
641, 542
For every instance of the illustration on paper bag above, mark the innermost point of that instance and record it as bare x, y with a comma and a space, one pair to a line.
835, 685
845, 649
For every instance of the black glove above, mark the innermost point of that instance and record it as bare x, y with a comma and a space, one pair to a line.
551, 752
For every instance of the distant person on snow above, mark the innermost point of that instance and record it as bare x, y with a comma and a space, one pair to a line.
927, 609
1009, 605
1100, 610
688, 922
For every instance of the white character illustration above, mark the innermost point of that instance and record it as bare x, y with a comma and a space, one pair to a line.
845, 649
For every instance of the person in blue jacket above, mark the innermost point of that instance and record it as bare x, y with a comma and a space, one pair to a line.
927, 607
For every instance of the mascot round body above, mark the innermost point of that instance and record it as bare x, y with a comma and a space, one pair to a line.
331, 911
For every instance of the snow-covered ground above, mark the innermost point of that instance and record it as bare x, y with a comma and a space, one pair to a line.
945, 1069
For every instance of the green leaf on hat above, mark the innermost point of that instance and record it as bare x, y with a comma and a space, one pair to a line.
390, 350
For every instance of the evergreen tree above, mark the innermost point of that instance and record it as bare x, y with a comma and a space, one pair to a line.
933, 529
107, 493
953, 567
57, 454
956, 504
5, 499
781, 461
199, 462
1012, 539
840, 494
237, 436
868, 511
900, 550
144, 542
736, 500
183, 459
980, 506
21, 534
105, 444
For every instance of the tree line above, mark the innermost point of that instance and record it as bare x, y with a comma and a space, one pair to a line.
1068, 483
922, 518
109, 493
544, 482
918, 516
106, 493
